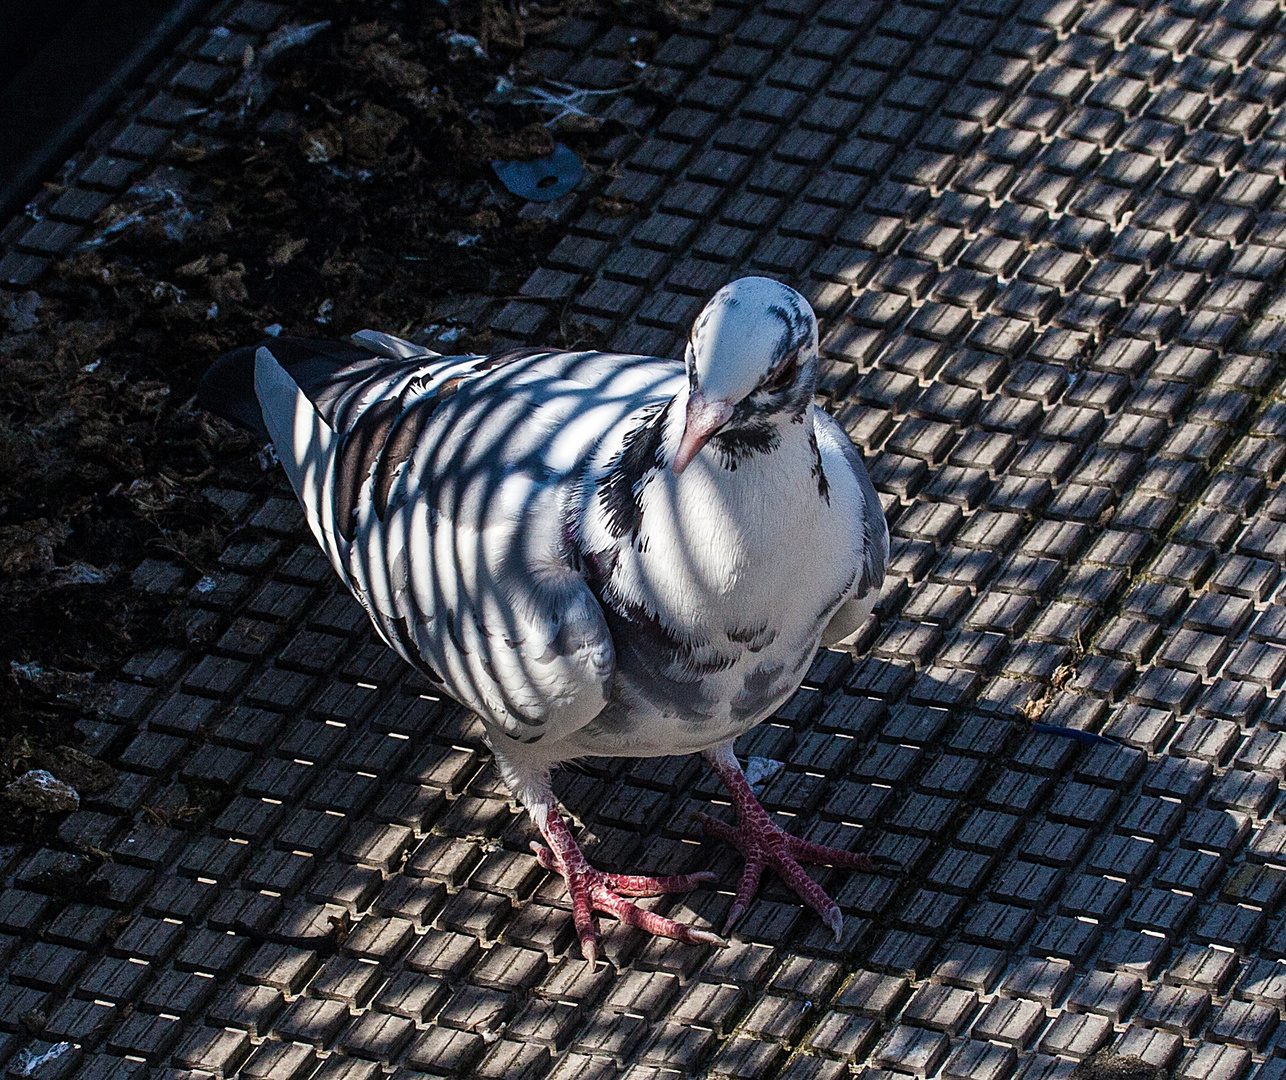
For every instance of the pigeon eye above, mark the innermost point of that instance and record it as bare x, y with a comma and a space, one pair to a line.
781, 378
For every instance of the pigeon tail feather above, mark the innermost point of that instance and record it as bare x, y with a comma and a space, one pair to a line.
306, 444
228, 388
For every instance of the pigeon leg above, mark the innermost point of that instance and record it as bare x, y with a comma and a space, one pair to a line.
594, 890
766, 845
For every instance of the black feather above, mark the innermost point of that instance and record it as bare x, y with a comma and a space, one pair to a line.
399, 446
736, 444
363, 445
228, 388
819, 472
640, 456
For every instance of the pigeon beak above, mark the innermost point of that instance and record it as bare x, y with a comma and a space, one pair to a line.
704, 418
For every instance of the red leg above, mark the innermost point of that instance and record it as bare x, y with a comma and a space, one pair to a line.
593, 890
766, 845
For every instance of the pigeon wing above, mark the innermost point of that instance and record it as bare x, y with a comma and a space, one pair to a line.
437, 486
872, 533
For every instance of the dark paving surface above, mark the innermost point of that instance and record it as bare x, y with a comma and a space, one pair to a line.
63, 66
179, 91
1046, 243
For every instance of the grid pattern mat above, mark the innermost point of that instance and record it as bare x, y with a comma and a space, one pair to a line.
1045, 242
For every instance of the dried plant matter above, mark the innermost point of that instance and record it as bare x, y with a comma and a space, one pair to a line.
343, 182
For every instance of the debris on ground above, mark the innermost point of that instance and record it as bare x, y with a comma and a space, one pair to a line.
759, 770
1106, 1065
30, 1060
343, 181
542, 179
39, 789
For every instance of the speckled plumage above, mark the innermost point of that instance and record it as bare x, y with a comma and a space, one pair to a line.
520, 527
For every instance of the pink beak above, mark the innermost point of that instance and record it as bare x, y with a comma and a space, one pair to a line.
704, 418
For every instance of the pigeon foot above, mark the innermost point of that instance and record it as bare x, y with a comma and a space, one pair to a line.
594, 890
765, 845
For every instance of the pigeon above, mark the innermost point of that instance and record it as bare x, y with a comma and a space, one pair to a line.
602, 555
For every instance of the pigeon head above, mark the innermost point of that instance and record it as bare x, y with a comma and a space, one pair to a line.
751, 359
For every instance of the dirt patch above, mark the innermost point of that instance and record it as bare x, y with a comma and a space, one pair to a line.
344, 183
1108, 1066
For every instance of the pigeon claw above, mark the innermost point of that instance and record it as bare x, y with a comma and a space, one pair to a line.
766, 846
835, 921
593, 891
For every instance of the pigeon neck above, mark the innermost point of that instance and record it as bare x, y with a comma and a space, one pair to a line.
752, 431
